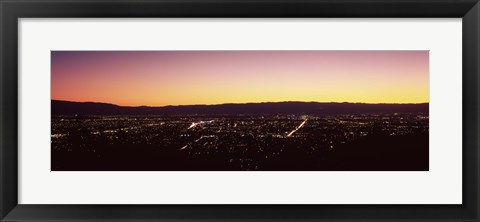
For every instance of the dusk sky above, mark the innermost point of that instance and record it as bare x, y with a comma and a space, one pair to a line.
159, 78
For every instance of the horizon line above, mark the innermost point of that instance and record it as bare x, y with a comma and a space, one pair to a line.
241, 103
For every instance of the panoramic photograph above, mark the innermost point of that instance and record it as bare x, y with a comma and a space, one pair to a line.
250, 110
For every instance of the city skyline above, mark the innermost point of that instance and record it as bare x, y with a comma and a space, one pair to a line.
162, 78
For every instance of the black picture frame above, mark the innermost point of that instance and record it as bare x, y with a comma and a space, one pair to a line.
12, 10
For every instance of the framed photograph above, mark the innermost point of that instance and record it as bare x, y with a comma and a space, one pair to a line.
276, 110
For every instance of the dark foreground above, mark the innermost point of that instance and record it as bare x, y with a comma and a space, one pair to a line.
362, 142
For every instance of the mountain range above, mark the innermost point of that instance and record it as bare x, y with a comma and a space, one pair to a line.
60, 107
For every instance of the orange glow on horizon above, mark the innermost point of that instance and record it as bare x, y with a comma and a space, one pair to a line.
159, 78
